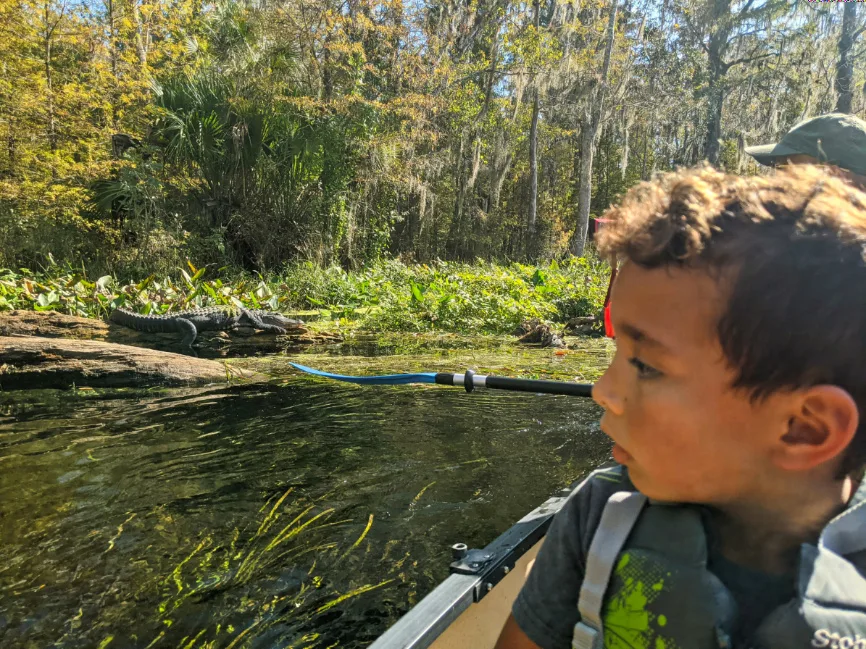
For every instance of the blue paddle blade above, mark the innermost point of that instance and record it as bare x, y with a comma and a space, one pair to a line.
387, 379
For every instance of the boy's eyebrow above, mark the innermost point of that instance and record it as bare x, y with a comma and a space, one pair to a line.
640, 336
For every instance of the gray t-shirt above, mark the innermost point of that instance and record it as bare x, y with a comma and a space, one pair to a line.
546, 607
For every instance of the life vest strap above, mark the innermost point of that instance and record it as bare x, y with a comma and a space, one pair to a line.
617, 520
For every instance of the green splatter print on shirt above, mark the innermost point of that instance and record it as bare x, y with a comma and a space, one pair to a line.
627, 622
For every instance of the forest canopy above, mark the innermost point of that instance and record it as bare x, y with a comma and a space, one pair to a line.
137, 134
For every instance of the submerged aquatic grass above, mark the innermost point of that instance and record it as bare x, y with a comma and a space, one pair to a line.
236, 577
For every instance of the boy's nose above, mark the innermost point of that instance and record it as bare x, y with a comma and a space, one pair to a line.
605, 394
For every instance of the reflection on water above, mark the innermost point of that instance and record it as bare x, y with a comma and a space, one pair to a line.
301, 514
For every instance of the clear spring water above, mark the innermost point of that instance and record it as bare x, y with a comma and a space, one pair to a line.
298, 513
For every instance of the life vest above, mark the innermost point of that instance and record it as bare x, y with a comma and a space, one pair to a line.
646, 584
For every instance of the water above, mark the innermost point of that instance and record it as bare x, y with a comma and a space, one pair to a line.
300, 513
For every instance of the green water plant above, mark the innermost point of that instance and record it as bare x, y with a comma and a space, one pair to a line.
386, 296
267, 583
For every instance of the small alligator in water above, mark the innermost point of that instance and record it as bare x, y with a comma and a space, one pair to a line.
214, 318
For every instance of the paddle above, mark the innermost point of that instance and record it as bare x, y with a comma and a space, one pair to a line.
470, 380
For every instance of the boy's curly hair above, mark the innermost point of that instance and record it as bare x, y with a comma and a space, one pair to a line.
789, 250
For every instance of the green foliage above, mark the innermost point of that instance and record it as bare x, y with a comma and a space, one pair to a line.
449, 296
207, 128
385, 296
273, 134
63, 289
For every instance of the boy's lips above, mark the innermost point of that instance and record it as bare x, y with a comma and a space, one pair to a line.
620, 454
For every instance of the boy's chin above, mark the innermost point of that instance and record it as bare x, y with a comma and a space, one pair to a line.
652, 489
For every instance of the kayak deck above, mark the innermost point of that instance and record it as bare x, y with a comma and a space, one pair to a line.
469, 608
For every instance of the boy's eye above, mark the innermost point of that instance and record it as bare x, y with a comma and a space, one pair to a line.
644, 371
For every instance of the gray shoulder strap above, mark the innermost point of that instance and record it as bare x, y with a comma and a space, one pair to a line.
617, 519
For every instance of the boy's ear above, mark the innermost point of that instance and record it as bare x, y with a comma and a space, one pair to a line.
823, 421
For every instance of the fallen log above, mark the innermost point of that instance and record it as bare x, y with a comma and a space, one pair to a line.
29, 363
240, 340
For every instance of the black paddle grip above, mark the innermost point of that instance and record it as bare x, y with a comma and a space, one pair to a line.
540, 386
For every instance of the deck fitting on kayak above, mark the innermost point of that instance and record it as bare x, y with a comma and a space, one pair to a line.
432, 616
472, 562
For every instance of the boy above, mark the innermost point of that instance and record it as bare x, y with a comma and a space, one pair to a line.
734, 402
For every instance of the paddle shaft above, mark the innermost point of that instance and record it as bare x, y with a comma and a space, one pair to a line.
470, 380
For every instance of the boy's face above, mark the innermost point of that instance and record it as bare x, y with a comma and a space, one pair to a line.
683, 433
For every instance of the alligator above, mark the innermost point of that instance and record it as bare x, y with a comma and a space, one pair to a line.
535, 331
212, 318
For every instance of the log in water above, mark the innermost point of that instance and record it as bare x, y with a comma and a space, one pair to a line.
29, 362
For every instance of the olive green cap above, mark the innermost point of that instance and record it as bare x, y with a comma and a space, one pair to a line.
838, 139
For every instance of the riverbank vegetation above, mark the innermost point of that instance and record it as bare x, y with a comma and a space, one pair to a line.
385, 296
137, 134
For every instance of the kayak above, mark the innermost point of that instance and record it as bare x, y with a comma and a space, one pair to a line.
470, 607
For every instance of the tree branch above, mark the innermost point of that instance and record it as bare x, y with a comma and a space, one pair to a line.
748, 59
744, 34
745, 8
695, 32
858, 55
763, 10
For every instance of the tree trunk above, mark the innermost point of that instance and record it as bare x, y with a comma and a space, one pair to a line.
845, 65
395, 74
533, 179
11, 147
51, 126
712, 146
502, 158
588, 136
643, 167
112, 53
716, 49
327, 76
533, 160
453, 245
476, 164
623, 162
140, 36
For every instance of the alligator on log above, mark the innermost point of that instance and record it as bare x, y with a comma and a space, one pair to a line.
240, 339
214, 318
34, 354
